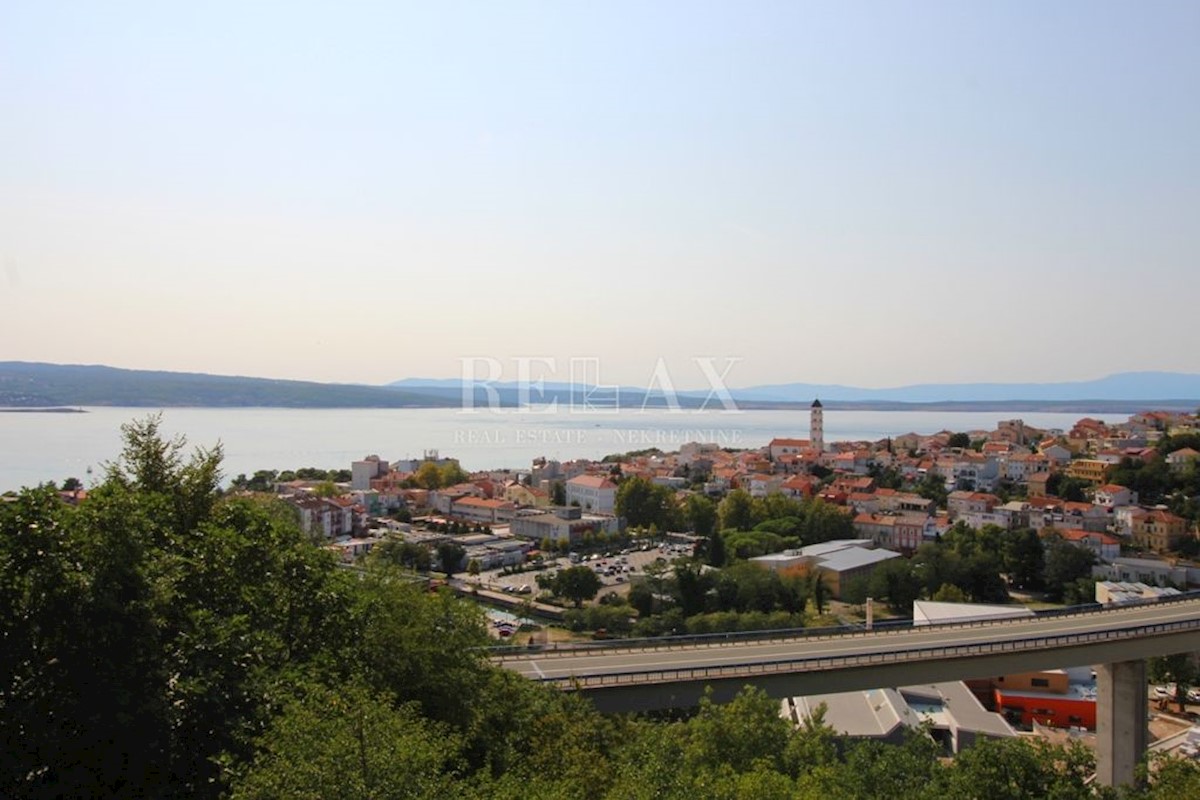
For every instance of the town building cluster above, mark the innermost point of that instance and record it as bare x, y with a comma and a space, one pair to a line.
900, 492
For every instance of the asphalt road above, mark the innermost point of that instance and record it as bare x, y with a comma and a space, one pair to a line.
565, 663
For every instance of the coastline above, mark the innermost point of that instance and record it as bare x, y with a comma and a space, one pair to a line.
52, 410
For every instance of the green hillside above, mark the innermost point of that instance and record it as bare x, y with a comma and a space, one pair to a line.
35, 385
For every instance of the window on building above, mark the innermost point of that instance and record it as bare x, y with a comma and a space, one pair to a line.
1040, 682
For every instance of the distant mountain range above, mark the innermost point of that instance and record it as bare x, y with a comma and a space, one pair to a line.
25, 384
1164, 389
39, 385
1121, 386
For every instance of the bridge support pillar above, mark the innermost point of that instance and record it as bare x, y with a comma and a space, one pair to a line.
1121, 711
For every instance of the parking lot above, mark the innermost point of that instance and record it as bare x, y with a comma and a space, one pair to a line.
614, 568
1167, 693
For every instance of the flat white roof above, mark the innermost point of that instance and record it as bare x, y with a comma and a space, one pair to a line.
833, 546
878, 712
786, 555
928, 612
853, 558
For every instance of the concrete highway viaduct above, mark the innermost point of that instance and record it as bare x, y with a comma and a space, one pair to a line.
673, 672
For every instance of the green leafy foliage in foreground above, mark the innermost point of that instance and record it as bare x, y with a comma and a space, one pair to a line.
160, 640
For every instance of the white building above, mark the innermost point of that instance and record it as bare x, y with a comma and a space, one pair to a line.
1111, 495
568, 525
1120, 592
954, 716
363, 472
593, 493
1142, 570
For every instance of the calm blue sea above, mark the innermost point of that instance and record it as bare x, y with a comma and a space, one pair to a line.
42, 447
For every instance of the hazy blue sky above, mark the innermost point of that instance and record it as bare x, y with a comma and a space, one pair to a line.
866, 193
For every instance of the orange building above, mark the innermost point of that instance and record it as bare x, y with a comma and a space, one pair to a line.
1088, 469
1048, 698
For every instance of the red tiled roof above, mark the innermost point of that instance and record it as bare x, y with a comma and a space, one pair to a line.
593, 482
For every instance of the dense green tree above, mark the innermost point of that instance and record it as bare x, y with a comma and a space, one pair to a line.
577, 584
856, 590
691, 585
875, 770
1017, 769
1024, 558
818, 589
748, 544
352, 743
82, 666
263, 480
419, 646
451, 473
615, 618
967, 558
701, 514
886, 477
1156, 482
641, 597
186, 490
736, 511
451, 556
893, 581
787, 527
960, 440
776, 505
428, 476
967, 541
156, 617
312, 474
1178, 441
1080, 591
715, 549
949, 593
984, 583
326, 489
403, 554
258, 599
933, 487
1073, 490
642, 503
1173, 777
936, 564
824, 522
559, 747
745, 587
736, 735
1065, 564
